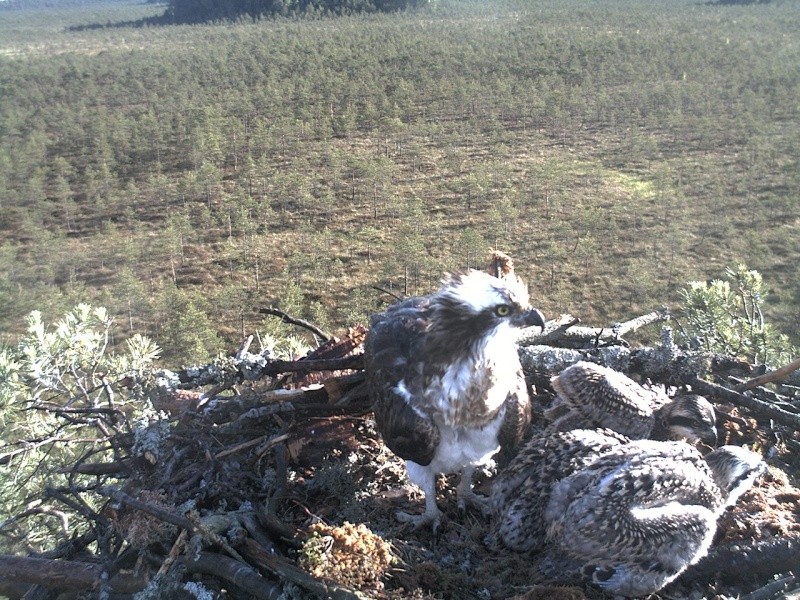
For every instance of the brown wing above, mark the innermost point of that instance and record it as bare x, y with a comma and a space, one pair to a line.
521, 491
516, 421
590, 395
394, 380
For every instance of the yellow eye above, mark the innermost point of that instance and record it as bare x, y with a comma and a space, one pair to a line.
502, 310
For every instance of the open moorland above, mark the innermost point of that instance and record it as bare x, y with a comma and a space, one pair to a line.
187, 176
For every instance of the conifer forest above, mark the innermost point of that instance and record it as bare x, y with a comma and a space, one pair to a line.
190, 184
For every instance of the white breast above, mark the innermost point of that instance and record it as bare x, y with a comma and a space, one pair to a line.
493, 370
459, 447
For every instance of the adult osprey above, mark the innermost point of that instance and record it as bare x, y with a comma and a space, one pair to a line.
446, 382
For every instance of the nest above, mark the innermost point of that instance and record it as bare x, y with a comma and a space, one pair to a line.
274, 483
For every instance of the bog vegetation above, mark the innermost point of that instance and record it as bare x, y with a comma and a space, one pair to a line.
185, 176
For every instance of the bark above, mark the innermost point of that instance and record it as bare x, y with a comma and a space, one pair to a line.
69, 575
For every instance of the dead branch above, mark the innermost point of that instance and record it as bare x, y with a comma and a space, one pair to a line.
289, 320
64, 574
758, 407
772, 376
111, 468
288, 571
657, 316
775, 590
740, 564
564, 332
237, 573
554, 331
307, 366
253, 367
666, 364
156, 511
206, 527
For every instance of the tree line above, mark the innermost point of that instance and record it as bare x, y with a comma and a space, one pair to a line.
197, 173
197, 11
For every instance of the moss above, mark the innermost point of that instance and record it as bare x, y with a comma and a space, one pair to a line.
351, 555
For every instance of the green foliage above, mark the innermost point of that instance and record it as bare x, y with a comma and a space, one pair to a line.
195, 11
388, 148
188, 335
726, 316
60, 402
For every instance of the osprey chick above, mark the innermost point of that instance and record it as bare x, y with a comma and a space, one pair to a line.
521, 491
627, 516
446, 382
638, 516
591, 395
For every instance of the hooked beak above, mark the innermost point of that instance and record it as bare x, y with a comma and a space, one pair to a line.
530, 318
709, 437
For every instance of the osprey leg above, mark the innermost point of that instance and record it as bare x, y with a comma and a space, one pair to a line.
427, 481
468, 498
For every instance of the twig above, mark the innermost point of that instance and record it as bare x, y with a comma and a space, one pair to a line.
239, 447
387, 292
174, 553
729, 417
657, 316
64, 575
237, 573
775, 375
276, 312
759, 407
740, 564
287, 570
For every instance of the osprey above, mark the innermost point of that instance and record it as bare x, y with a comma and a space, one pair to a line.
591, 395
628, 517
446, 382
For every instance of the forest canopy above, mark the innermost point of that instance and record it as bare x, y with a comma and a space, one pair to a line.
197, 11
195, 174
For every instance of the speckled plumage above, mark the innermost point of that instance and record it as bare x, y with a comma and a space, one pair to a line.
445, 379
628, 517
522, 490
591, 395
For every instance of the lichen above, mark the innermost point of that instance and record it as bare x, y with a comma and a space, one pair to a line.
150, 432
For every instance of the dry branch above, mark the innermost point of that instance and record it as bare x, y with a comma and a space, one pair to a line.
252, 367
741, 564
564, 332
64, 574
235, 572
289, 320
771, 377
288, 571
758, 407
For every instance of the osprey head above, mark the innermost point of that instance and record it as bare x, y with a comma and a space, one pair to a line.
475, 303
735, 470
691, 417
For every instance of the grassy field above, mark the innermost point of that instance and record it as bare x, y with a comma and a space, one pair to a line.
616, 150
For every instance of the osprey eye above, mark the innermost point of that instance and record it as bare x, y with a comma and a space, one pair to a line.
502, 310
